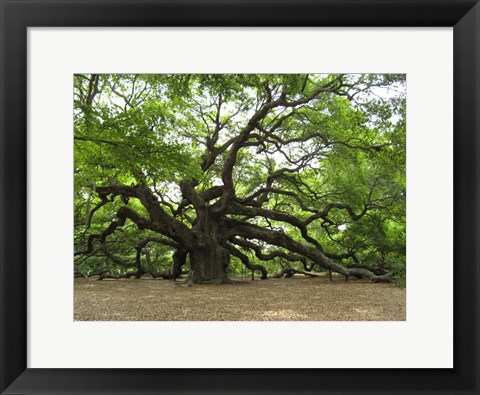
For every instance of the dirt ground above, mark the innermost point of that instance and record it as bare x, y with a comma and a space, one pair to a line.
284, 299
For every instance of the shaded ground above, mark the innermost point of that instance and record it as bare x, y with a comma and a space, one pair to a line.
284, 299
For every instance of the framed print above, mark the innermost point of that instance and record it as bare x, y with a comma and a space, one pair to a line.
374, 104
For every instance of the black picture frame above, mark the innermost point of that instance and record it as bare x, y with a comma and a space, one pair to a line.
18, 15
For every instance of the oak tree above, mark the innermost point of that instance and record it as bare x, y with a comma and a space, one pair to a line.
300, 172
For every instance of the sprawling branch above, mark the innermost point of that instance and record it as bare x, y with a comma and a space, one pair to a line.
271, 254
282, 240
119, 222
277, 216
204, 196
160, 240
235, 252
159, 220
244, 135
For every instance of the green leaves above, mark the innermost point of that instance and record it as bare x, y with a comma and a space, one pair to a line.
128, 135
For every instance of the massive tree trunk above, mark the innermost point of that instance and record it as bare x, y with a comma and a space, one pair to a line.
208, 258
208, 264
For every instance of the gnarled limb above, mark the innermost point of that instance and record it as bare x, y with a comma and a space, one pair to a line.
279, 239
159, 220
272, 254
290, 272
246, 261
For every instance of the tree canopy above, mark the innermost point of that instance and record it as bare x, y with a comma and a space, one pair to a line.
210, 173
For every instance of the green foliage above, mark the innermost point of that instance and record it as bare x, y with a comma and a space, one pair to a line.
401, 275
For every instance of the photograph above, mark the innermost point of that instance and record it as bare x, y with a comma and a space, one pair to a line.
239, 197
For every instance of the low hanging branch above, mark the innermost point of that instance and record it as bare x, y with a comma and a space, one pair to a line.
290, 272
272, 254
246, 261
251, 231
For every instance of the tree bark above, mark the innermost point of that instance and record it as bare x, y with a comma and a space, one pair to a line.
208, 264
208, 258
179, 259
